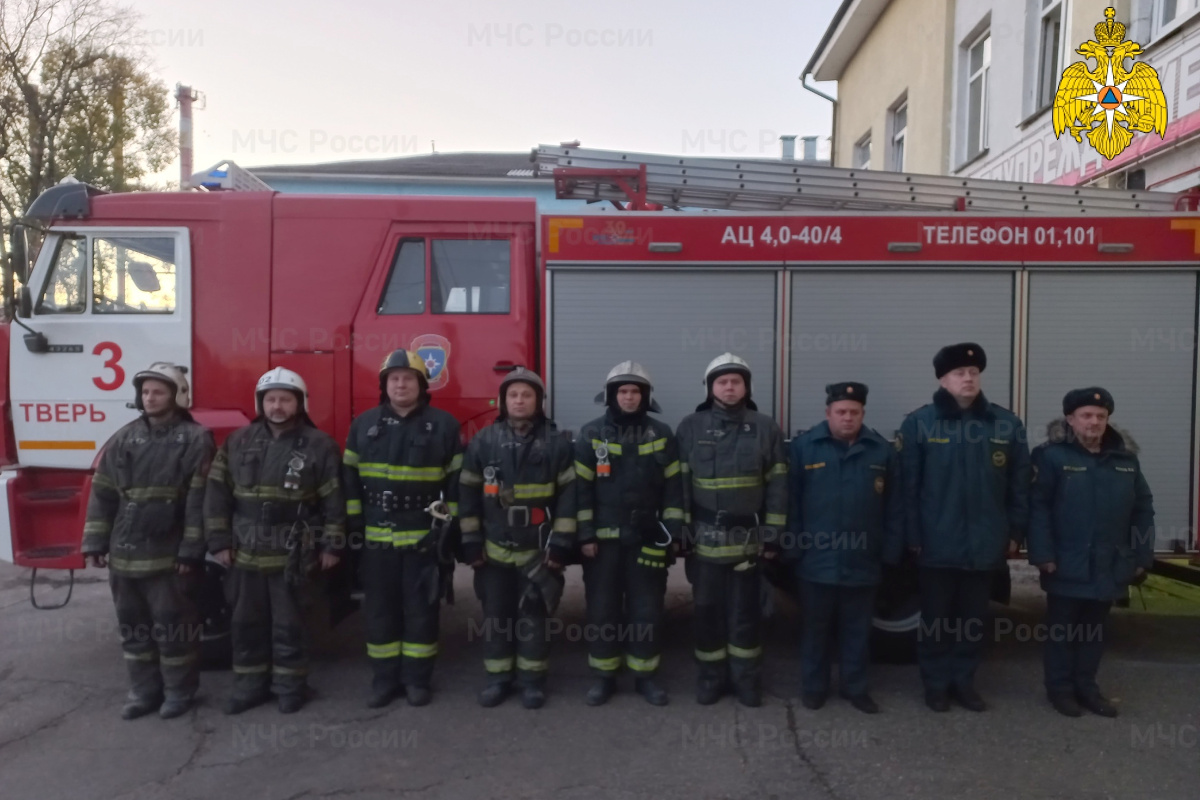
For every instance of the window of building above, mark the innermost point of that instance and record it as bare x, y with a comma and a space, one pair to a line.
899, 129
405, 289
862, 152
979, 60
471, 276
1170, 14
1049, 50
65, 291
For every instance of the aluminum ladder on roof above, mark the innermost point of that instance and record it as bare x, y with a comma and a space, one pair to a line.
777, 185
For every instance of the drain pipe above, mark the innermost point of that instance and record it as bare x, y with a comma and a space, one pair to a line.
833, 128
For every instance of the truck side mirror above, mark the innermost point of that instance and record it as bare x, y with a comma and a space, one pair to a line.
17, 253
25, 303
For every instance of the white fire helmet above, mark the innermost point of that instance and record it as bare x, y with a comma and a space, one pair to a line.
721, 365
280, 378
628, 372
168, 373
726, 362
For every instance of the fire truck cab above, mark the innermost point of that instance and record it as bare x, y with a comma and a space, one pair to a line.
229, 285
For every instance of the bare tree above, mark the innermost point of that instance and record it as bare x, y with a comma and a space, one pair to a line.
77, 99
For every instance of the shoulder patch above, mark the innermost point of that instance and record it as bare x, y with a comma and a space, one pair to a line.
899, 442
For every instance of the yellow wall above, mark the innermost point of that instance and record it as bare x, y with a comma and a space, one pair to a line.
909, 48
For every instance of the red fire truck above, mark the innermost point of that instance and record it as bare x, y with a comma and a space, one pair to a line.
812, 274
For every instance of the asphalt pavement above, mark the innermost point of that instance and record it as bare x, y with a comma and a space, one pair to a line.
62, 681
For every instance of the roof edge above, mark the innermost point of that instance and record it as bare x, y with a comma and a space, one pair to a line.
853, 22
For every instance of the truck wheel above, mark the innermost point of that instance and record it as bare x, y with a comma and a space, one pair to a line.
1002, 585
776, 576
897, 616
216, 647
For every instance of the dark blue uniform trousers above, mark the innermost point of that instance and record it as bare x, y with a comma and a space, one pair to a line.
842, 613
950, 639
1074, 644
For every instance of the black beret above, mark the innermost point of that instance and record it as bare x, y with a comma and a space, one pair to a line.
847, 390
953, 356
1092, 396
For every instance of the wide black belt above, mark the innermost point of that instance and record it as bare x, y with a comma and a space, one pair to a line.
724, 519
527, 516
636, 518
391, 501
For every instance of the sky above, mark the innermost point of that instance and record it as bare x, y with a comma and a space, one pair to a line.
306, 82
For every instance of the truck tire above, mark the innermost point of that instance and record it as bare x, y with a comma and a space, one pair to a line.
216, 648
1002, 585
897, 616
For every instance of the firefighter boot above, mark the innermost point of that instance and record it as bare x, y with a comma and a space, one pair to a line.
139, 707
709, 689
655, 695
419, 695
533, 697
383, 694
748, 694
601, 691
292, 702
238, 704
494, 694
175, 707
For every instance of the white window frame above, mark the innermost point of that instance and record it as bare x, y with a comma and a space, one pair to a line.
898, 134
862, 148
1184, 10
983, 39
1047, 75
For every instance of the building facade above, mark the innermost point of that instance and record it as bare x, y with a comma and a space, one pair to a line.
888, 57
995, 65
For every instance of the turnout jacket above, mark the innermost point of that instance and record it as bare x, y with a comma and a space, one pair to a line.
966, 482
734, 481
1092, 514
394, 467
265, 493
846, 512
145, 511
642, 485
528, 503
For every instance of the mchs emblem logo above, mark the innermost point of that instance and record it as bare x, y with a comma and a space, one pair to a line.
435, 350
1108, 103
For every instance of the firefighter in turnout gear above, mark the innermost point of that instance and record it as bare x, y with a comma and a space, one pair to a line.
145, 523
735, 501
401, 457
273, 511
630, 515
518, 529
